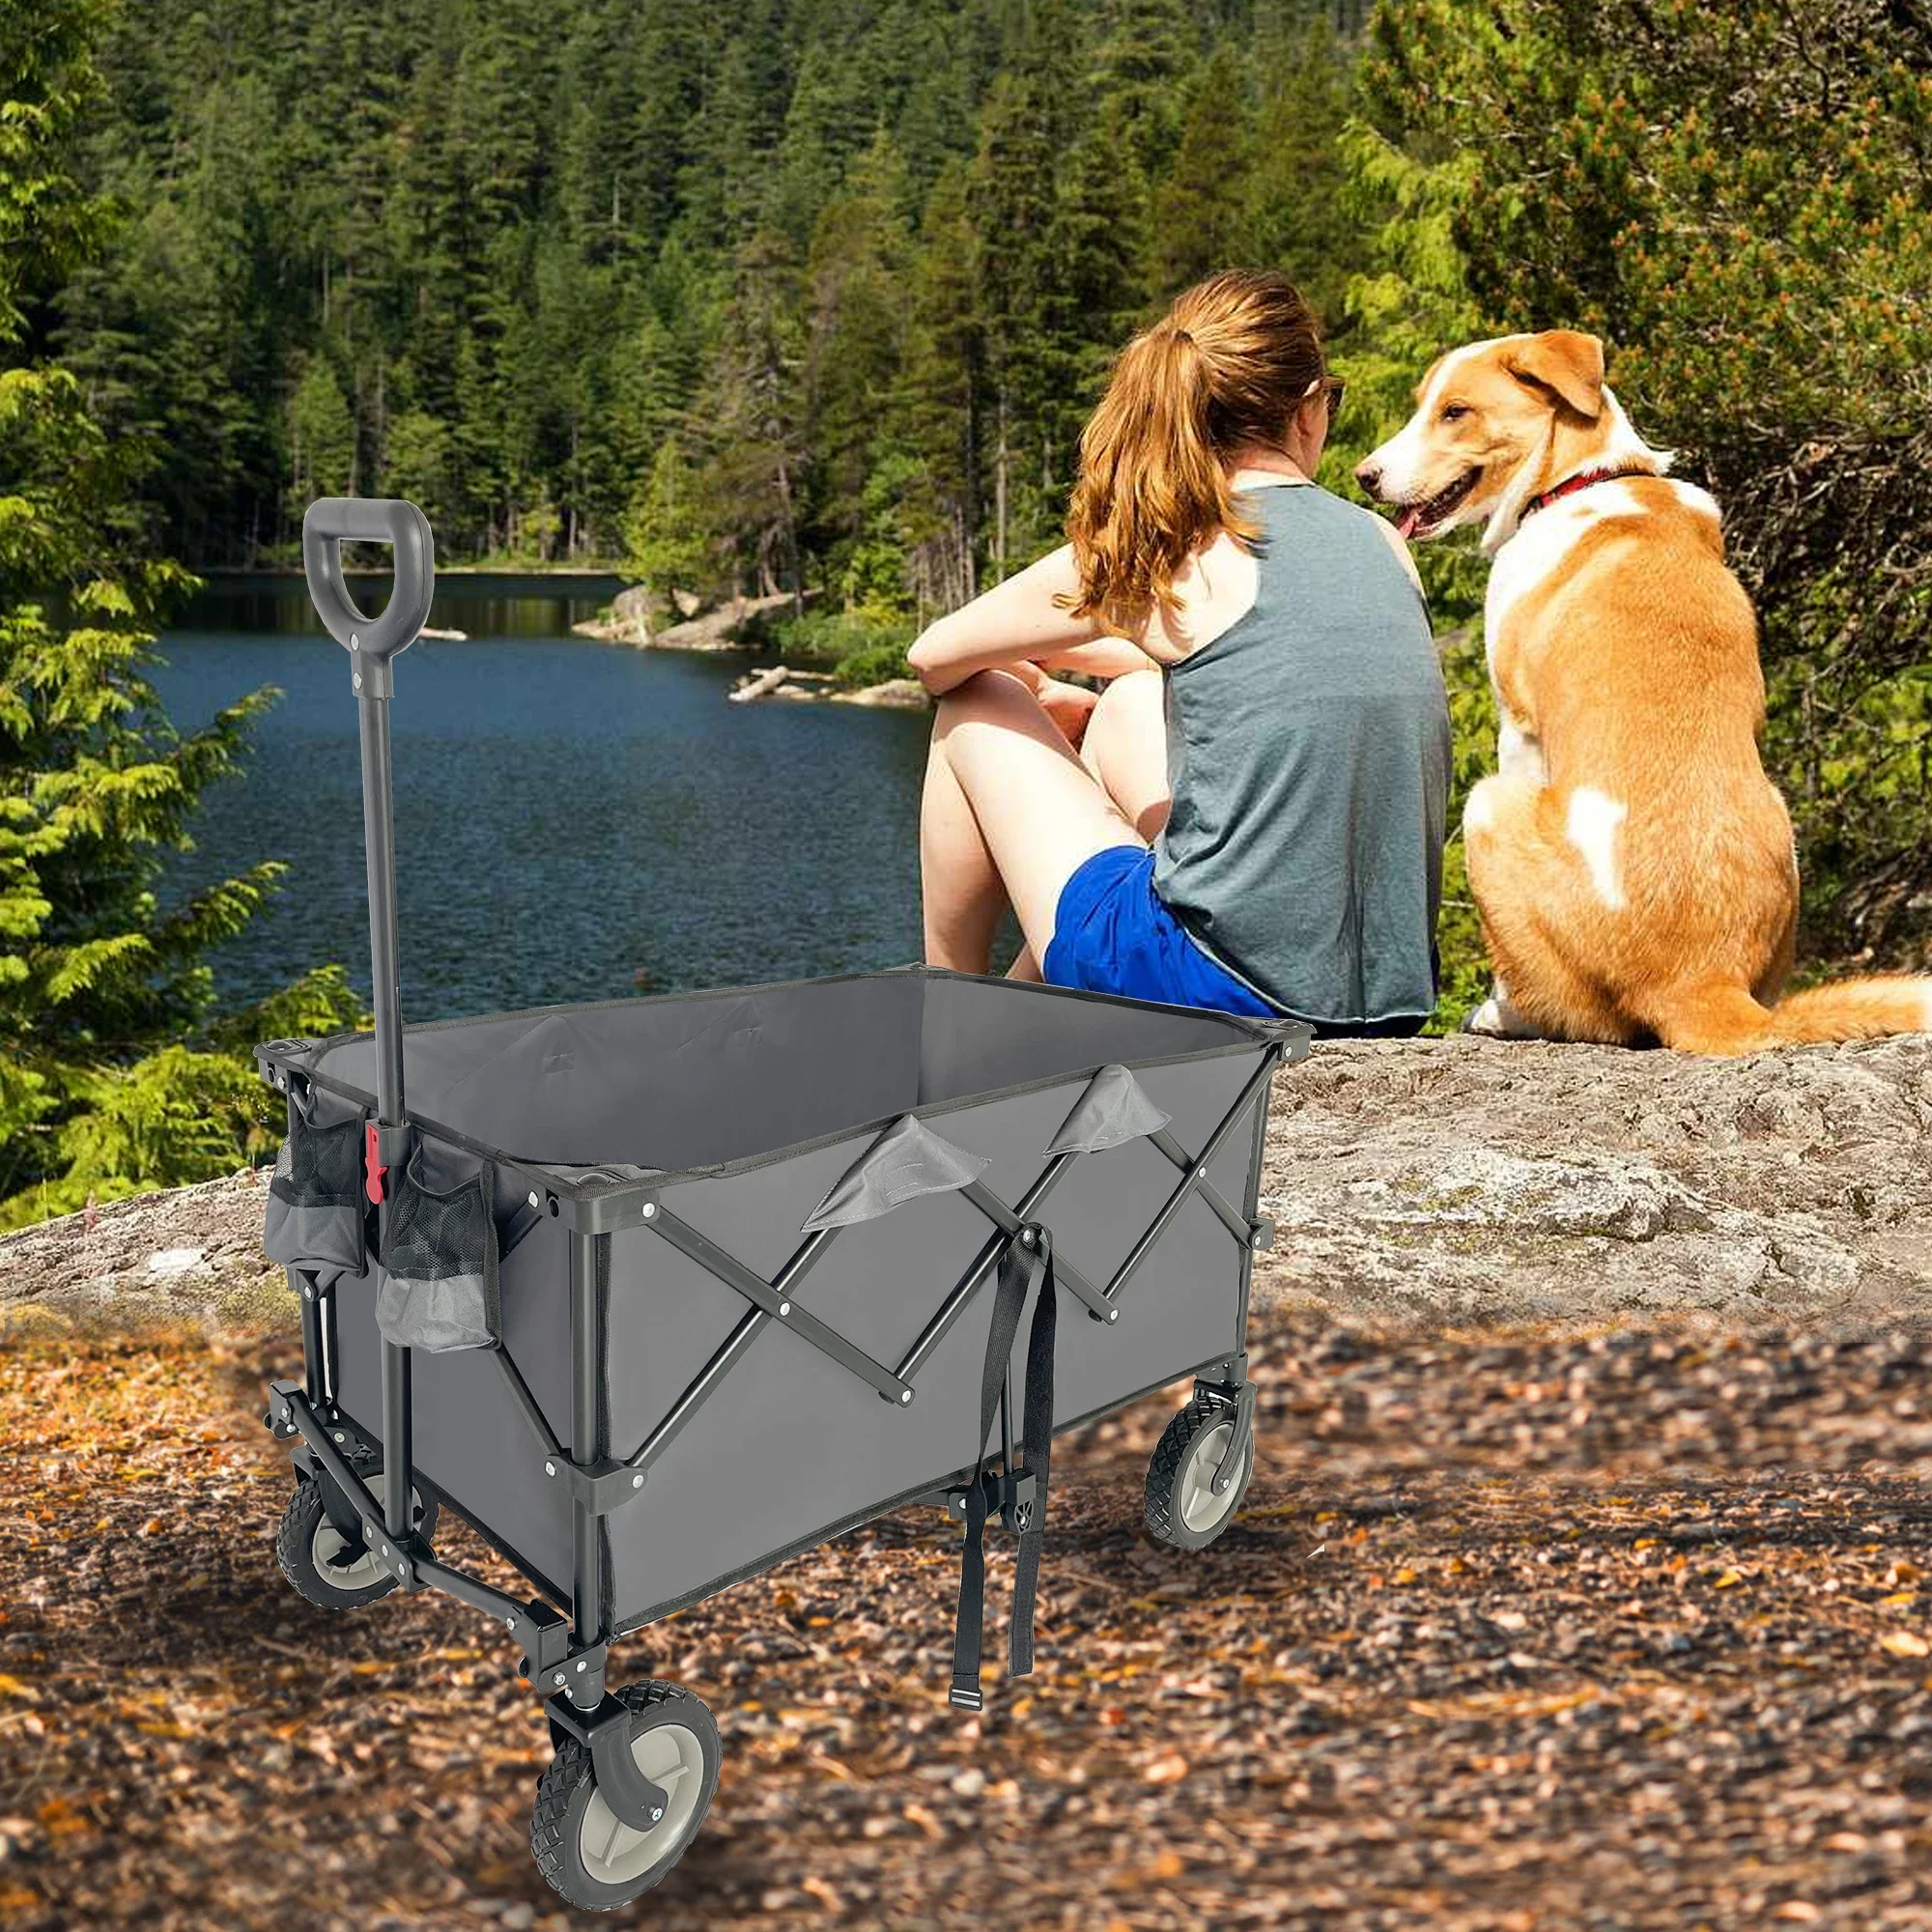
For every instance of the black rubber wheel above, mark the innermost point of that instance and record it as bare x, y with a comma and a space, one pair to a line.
1182, 1506
332, 1571
596, 1862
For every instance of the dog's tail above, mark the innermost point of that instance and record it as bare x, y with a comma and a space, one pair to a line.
1722, 1018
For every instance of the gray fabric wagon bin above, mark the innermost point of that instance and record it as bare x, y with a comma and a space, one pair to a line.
658, 1291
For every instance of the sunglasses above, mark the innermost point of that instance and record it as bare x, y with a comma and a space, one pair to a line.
1331, 390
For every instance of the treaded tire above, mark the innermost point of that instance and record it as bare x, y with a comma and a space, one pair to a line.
306, 1543
1180, 1510
595, 1862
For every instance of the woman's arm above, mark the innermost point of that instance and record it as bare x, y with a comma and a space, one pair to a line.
1021, 623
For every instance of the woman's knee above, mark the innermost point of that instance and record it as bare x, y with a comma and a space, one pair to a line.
1127, 715
995, 695
1125, 748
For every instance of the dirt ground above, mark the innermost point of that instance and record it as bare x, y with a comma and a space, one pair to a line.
1577, 1626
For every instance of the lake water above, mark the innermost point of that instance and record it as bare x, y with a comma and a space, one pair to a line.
574, 820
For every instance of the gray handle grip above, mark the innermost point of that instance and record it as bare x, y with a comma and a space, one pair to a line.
332, 521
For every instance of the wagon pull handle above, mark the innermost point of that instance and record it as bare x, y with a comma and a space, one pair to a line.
371, 641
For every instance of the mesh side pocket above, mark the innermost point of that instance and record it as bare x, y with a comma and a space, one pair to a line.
314, 1218
439, 1290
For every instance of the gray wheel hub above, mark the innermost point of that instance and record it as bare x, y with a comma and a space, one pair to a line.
672, 1757
1197, 1505
336, 1559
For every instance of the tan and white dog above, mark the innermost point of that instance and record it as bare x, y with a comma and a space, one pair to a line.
1632, 863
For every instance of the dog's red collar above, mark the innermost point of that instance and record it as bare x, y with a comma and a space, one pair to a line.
1584, 480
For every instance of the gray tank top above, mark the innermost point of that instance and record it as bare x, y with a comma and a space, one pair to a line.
1308, 755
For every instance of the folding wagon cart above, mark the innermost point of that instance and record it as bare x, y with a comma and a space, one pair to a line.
655, 1292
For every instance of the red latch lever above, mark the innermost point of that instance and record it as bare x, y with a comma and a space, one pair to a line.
372, 1164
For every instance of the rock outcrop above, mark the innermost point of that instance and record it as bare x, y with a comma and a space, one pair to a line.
1481, 1179
635, 614
1460, 1179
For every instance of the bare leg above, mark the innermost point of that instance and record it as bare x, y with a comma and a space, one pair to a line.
1008, 814
1125, 748
960, 884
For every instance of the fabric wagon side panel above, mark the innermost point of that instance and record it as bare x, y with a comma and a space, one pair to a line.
790, 1443
471, 1439
1182, 1306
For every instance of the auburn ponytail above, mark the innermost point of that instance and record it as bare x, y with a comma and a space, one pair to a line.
1226, 367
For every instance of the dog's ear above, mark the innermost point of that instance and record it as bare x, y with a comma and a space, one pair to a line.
1565, 362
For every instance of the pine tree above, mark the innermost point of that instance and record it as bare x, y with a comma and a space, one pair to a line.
1098, 244
1201, 214
115, 1068
666, 538
1027, 125
754, 413
1300, 215
1147, 50
940, 407
854, 336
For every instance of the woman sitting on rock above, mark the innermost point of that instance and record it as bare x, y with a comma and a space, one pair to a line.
1250, 817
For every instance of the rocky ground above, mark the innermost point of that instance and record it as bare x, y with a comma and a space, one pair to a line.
1484, 1179
1460, 1179
1580, 1584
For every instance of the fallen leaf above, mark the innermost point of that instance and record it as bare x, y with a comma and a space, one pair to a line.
918, 1815
1167, 1769
1905, 1643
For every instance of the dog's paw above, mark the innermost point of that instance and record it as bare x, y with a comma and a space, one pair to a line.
1496, 1019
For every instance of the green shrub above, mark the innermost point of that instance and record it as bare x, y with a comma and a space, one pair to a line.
860, 647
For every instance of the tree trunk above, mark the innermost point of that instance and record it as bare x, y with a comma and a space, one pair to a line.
1000, 496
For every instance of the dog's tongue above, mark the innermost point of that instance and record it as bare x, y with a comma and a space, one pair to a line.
1405, 523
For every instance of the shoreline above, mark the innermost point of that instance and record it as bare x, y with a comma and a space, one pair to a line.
716, 633
212, 571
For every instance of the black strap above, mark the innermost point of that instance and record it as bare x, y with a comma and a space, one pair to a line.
1027, 1263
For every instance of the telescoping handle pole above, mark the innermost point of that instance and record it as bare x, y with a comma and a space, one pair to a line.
372, 642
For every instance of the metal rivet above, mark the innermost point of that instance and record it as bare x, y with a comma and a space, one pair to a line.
906, 1396
559, 1677
784, 1308
1026, 1238
1113, 1315
582, 1664
340, 1437
637, 1482
657, 1814
650, 1211
354, 642
549, 1469
537, 1199
355, 680
1256, 1237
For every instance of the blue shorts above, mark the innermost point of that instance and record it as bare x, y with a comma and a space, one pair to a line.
1112, 933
